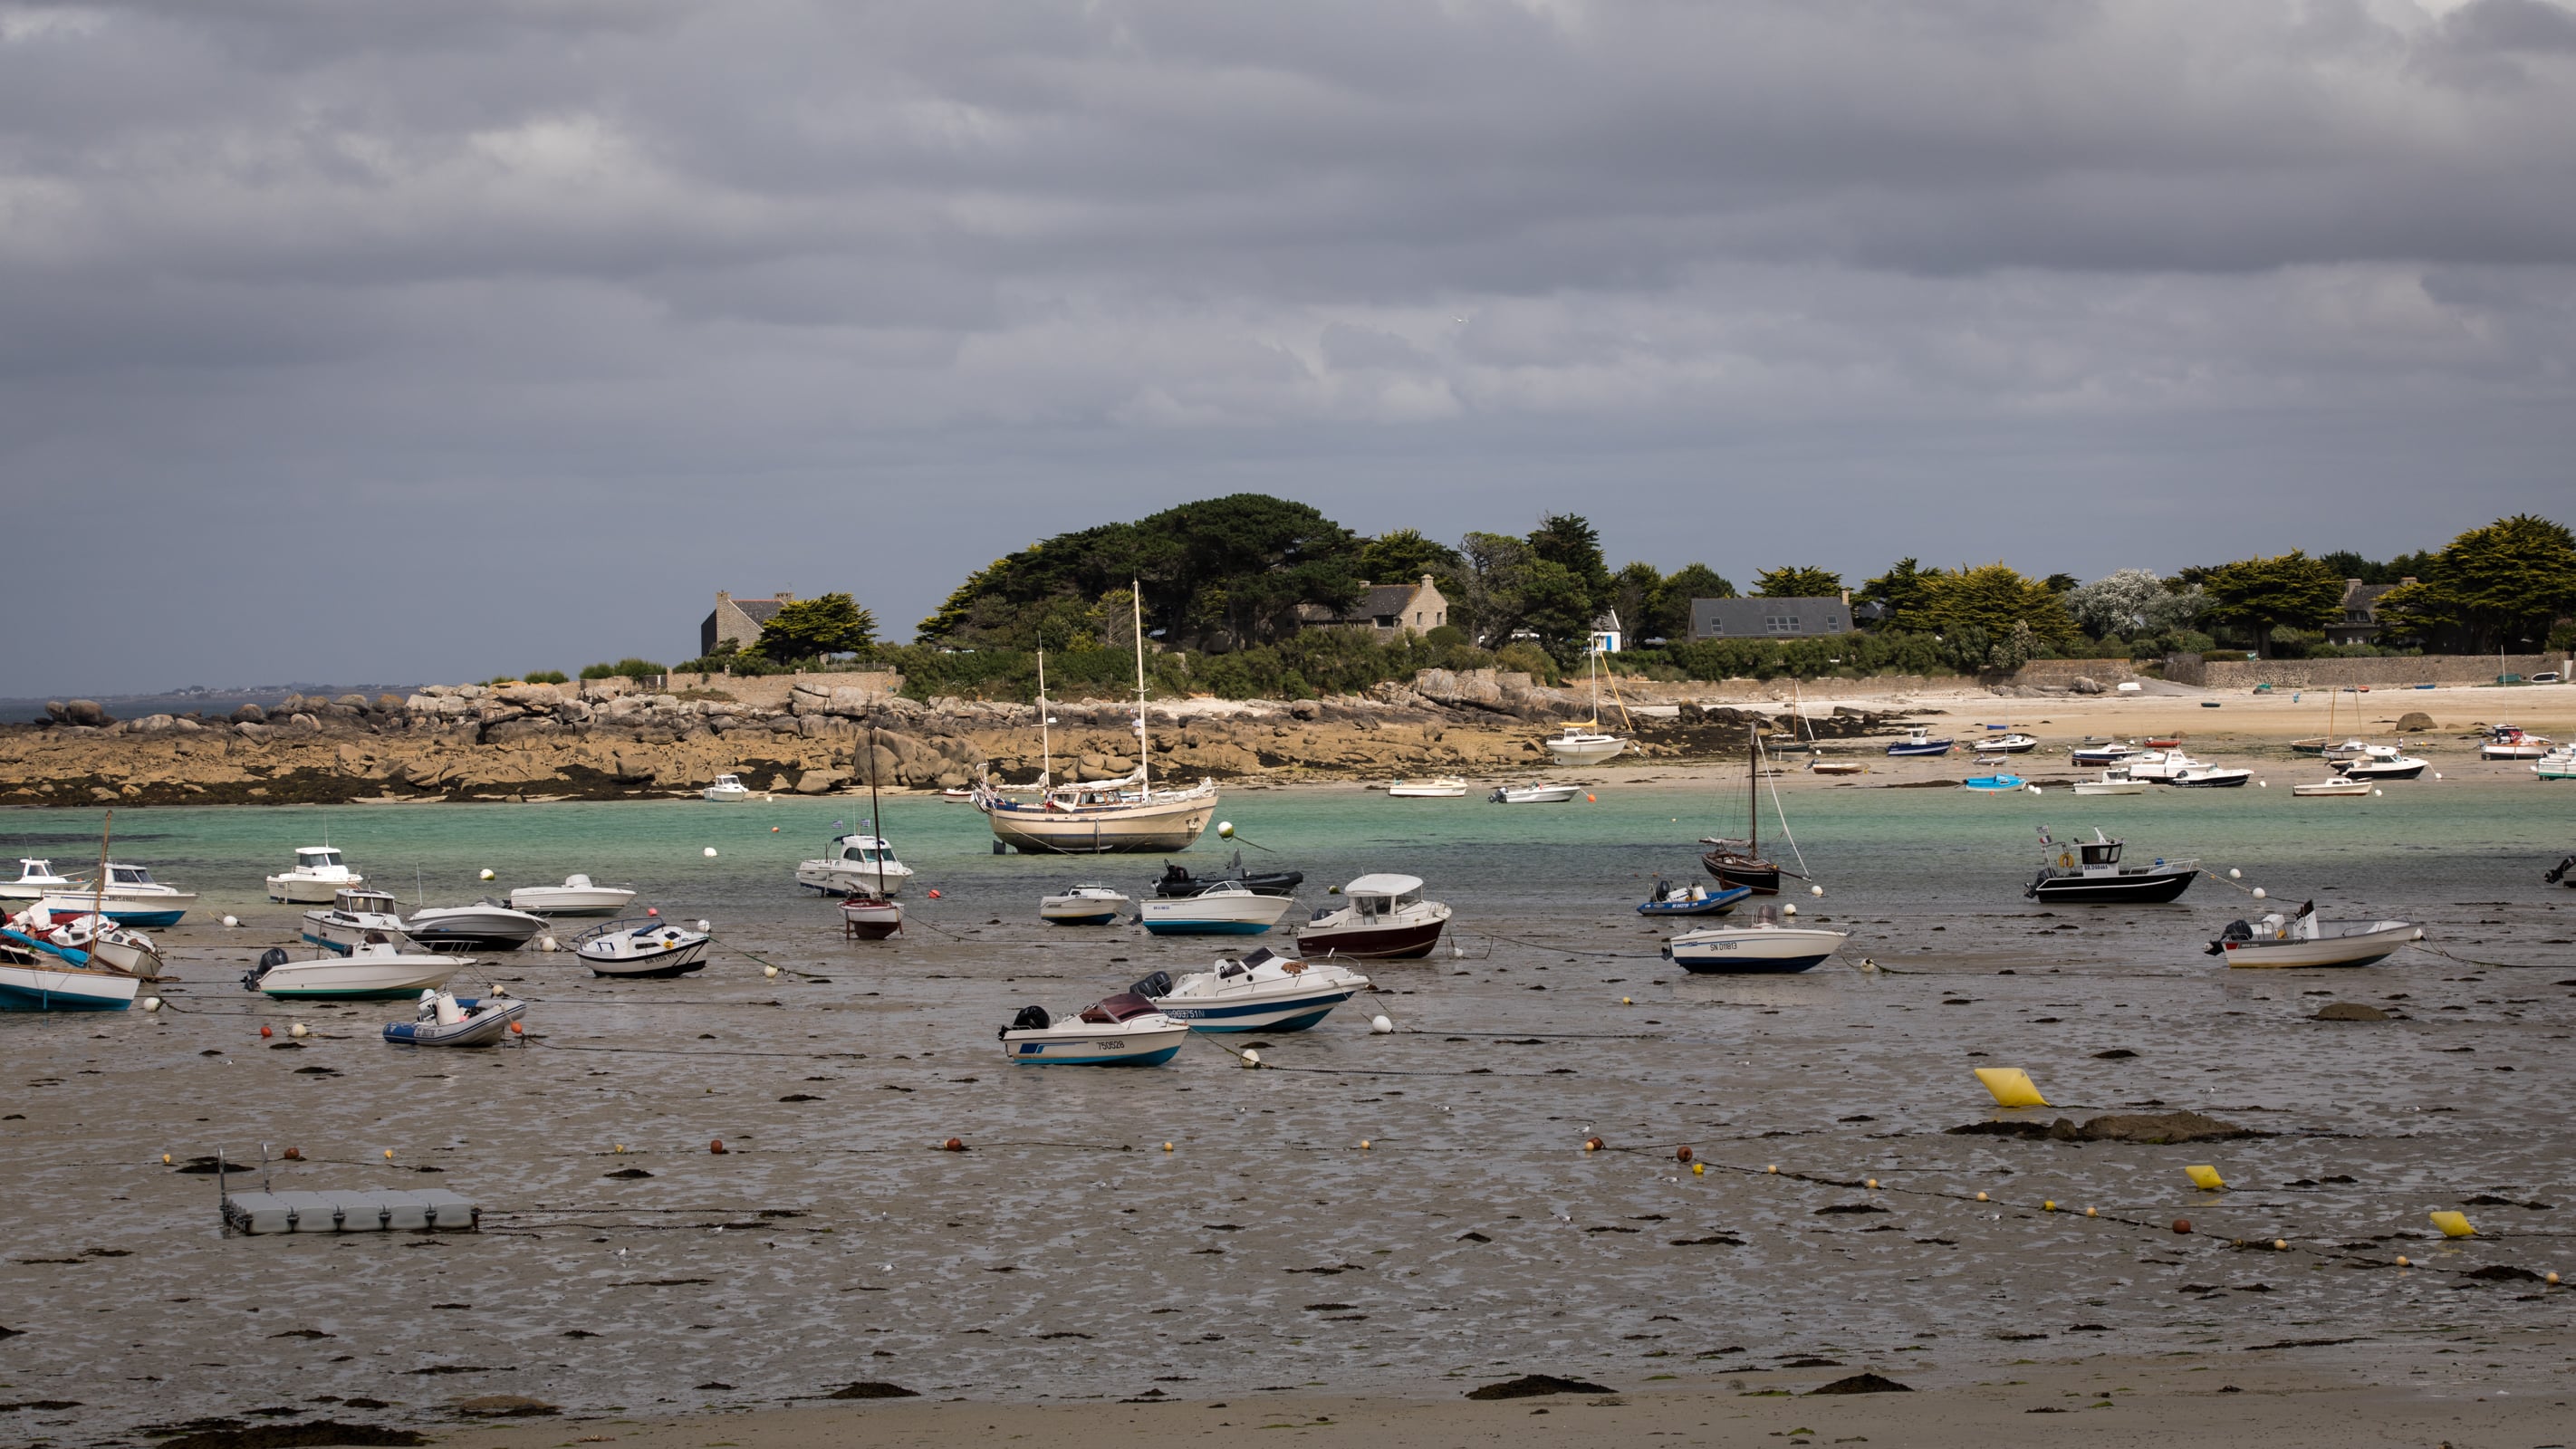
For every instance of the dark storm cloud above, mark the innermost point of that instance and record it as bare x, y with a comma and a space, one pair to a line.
538, 321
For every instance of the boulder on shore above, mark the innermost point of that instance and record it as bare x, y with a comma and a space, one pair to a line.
2414, 721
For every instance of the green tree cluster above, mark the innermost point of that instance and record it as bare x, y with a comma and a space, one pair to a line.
812, 628
2503, 586
1801, 582
2260, 595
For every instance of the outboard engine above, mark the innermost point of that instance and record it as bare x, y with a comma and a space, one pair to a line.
2559, 874
1156, 985
274, 956
2236, 931
1032, 1018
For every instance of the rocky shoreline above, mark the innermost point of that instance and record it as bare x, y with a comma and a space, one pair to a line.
610, 740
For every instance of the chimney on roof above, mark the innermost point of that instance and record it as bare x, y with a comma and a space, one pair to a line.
2410, 578
1846, 598
785, 596
1426, 581
722, 595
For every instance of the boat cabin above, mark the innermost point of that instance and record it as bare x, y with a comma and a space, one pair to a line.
34, 872
864, 850
1372, 896
317, 859
1111, 1010
129, 875
365, 903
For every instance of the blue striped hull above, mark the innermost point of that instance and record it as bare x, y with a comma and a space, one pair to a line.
18, 998
1205, 928
1296, 1015
1154, 1058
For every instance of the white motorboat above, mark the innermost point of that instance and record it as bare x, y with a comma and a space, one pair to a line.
1099, 817
577, 896
2350, 749
482, 926
318, 875
132, 897
2007, 744
2382, 762
1534, 794
858, 864
371, 971
2331, 787
444, 1020
728, 789
356, 917
2158, 767
651, 948
36, 879
2279, 941
1381, 918
1264, 991
2558, 764
2111, 752
1443, 787
2114, 781
1224, 910
2509, 743
1765, 946
2209, 777
120, 948
1124, 1030
1085, 905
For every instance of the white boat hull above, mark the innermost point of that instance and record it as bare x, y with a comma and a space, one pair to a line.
2109, 787
2331, 787
1084, 910
360, 976
1581, 750
40, 988
1535, 794
1215, 914
841, 877
2359, 948
1752, 950
650, 951
1163, 824
1427, 790
570, 900
299, 889
1144, 1041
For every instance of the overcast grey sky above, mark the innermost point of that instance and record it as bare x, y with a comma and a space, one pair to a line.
350, 341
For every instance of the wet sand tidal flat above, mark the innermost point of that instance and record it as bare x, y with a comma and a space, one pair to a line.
1065, 1258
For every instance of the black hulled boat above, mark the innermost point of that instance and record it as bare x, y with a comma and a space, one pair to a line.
1741, 862
1176, 882
2089, 872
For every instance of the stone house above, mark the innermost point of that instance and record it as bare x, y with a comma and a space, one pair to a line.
737, 621
2359, 622
1769, 618
1388, 609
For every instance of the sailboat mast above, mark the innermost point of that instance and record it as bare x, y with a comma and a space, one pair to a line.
876, 820
98, 902
1046, 746
1752, 794
1144, 743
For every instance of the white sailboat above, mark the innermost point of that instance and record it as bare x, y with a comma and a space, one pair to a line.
1101, 816
1587, 743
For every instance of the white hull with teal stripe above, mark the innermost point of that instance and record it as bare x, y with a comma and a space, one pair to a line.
368, 973
1262, 992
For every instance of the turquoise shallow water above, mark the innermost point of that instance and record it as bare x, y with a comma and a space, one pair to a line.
1067, 1255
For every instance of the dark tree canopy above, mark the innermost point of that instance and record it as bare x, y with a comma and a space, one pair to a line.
1903, 592
1797, 582
1571, 542
1232, 569
806, 628
1402, 555
2501, 586
2263, 594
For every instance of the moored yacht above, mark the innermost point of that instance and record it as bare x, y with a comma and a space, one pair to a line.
317, 875
727, 789
37, 878
1765, 946
1224, 910
2287, 942
2381, 762
482, 926
1381, 918
1918, 741
1085, 905
577, 896
371, 970
649, 948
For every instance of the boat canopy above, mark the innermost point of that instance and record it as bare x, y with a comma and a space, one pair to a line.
128, 874
314, 857
365, 901
1110, 1010
1384, 885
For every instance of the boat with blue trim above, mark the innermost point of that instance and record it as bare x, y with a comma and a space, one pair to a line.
1918, 741
1693, 899
1994, 784
452, 1021
37, 975
1226, 910
1264, 991
1767, 946
1124, 1030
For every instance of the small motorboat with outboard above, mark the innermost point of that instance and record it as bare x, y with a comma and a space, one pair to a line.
1264, 991
444, 1020
2209, 777
317, 875
357, 915
2509, 743
728, 790
120, 948
2314, 788
1085, 905
1534, 794
2279, 941
2089, 872
2381, 762
1918, 741
577, 896
1381, 918
1764, 946
1693, 899
37, 975
2106, 752
1441, 787
2558, 764
1176, 880
482, 926
647, 948
2563, 873
373, 970
857, 863
2013, 743
1220, 910
1124, 1030
1993, 784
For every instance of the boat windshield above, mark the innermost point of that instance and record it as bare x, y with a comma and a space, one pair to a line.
129, 875
317, 858
1110, 1010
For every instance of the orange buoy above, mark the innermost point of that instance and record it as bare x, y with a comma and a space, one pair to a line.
2182, 1225
265, 1032
517, 1029
293, 1154
652, 910
953, 1144
1682, 1153
1588, 798
1592, 1144
934, 895
716, 1146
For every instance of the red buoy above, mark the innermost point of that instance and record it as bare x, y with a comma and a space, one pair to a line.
953, 1144
2182, 1225
264, 1031
716, 1146
1682, 1153
934, 895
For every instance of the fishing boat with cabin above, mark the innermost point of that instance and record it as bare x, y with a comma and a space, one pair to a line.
2089, 872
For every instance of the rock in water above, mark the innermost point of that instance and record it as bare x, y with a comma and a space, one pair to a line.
2349, 1011
1861, 1384
873, 1389
1529, 1386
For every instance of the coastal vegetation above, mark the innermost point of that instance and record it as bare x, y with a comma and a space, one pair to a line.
1250, 596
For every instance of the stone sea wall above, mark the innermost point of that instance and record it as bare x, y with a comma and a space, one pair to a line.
2389, 672
607, 739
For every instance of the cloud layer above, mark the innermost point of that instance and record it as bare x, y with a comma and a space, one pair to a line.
343, 341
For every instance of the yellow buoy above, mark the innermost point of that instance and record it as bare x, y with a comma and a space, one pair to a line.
1774, 1167
1364, 1143
1873, 1184
1167, 1147
2280, 1245
2205, 1176
165, 1159
2011, 1086
2048, 1205
2090, 1213
1981, 1197
2401, 1261
2453, 1225
1700, 1169
389, 1154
